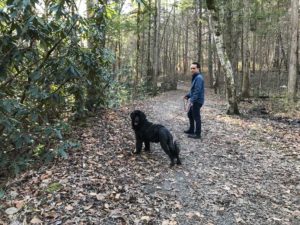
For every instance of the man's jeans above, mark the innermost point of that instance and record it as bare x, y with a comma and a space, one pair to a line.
195, 117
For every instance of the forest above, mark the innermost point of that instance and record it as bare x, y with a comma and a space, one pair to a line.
62, 61
71, 71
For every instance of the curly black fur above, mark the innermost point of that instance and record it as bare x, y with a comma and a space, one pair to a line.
146, 132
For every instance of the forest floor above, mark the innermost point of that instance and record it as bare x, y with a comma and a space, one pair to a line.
245, 170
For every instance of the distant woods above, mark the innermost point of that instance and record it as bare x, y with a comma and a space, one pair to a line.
59, 64
245, 47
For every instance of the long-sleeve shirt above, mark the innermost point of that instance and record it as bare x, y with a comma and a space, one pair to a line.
196, 93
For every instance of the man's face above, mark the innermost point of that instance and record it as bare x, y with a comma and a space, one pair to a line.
194, 69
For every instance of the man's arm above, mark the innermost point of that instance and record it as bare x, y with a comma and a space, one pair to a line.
197, 90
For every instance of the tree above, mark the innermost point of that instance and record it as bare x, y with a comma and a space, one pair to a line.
245, 52
45, 75
293, 63
157, 46
225, 62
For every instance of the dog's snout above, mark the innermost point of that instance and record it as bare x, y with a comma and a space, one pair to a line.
136, 121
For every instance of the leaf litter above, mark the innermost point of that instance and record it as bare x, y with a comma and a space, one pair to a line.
245, 170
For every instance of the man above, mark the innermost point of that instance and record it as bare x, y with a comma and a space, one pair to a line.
196, 99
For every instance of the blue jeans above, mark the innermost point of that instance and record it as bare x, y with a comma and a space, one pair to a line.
195, 118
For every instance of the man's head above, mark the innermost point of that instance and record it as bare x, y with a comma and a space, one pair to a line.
195, 67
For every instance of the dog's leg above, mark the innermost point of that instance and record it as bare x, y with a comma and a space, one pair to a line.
147, 146
138, 145
177, 150
166, 148
178, 160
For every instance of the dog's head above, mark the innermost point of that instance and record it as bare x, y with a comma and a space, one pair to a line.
138, 118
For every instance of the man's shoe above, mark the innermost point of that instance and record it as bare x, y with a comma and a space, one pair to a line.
188, 132
194, 136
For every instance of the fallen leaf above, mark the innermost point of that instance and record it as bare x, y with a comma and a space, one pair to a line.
165, 222
19, 204
69, 207
36, 220
100, 197
11, 210
296, 213
194, 214
93, 194
116, 213
16, 222
147, 218
88, 207
117, 196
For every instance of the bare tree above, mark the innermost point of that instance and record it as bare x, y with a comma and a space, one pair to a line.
292, 80
245, 51
225, 62
156, 46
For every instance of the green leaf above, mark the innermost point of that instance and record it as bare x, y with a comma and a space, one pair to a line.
34, 116
54, 187
39, 150
73, 72
26, 3
35, 75
61, 152
2, 193
58, 134
8, 105
3, 74
7, 125
48, 131
34, 91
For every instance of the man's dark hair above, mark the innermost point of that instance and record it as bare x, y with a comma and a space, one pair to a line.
197, 64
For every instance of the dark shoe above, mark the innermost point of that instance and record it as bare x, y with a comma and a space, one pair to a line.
188, 132
194, 136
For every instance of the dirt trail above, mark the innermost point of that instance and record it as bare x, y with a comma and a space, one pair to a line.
244, 171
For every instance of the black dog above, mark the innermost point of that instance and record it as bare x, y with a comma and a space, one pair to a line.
148, 132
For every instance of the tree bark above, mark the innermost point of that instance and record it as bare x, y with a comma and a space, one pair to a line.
186, 48
292, 78
199, 33
156, 46
232, 107
149, 76
212, 79
137, 63
246, 52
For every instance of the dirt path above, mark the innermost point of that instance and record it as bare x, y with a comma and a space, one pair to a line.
244, 171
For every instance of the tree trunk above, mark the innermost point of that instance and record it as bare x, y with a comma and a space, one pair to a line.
91, 90
137, 63
186, 48
212, 79
226, 64
156, 46
246, 52
292, 79
174, 55
149, 76
199, 33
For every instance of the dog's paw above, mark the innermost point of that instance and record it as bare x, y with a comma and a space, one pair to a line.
172, 164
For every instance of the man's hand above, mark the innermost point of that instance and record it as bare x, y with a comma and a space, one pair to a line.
185, 97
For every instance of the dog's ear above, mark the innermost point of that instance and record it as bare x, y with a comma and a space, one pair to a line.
142, 116
132, 115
